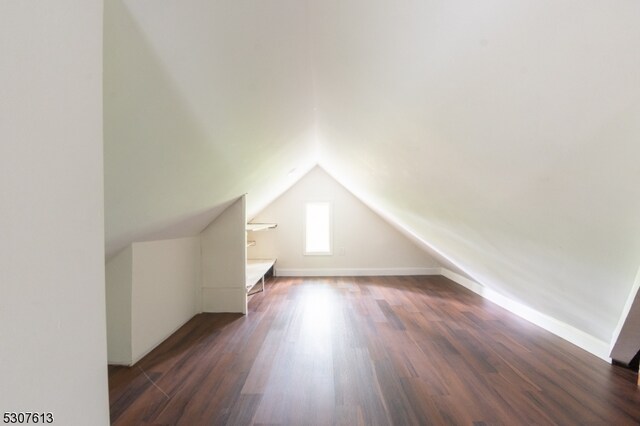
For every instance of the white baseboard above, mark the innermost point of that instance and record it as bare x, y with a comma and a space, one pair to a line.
119, 363
355, 272
567, 332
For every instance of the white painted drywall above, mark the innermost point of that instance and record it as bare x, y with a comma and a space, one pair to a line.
224, 256
53, 350
119, 273
362, 241
204, 101
503, 133
165, 284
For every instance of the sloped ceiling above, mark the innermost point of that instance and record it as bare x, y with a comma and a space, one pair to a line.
506, 135
203, 101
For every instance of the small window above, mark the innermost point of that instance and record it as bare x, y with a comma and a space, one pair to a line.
317, 226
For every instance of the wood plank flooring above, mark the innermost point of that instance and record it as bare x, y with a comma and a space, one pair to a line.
370, 351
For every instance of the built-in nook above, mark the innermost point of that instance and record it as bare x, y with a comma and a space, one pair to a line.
257, 269
154, 287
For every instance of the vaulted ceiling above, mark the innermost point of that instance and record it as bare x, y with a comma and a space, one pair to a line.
505, 135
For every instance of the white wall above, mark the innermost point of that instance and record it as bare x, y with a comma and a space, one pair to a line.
53, 354
504, 134
152, 290
363, 243
204, 100
224, 261
166, 277
119, 273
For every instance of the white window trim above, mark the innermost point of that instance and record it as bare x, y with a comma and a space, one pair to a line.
304, 236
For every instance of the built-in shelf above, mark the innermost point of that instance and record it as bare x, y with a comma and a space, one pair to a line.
256, 270
260, 226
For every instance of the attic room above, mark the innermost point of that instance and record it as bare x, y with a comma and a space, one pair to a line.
319, 212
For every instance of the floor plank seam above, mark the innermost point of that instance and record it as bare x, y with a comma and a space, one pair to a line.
154, 383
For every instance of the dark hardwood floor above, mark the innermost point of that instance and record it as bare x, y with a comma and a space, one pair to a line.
370, 351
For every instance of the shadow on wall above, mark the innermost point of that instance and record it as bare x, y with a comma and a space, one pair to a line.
155, 149
188, 124
186, 225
